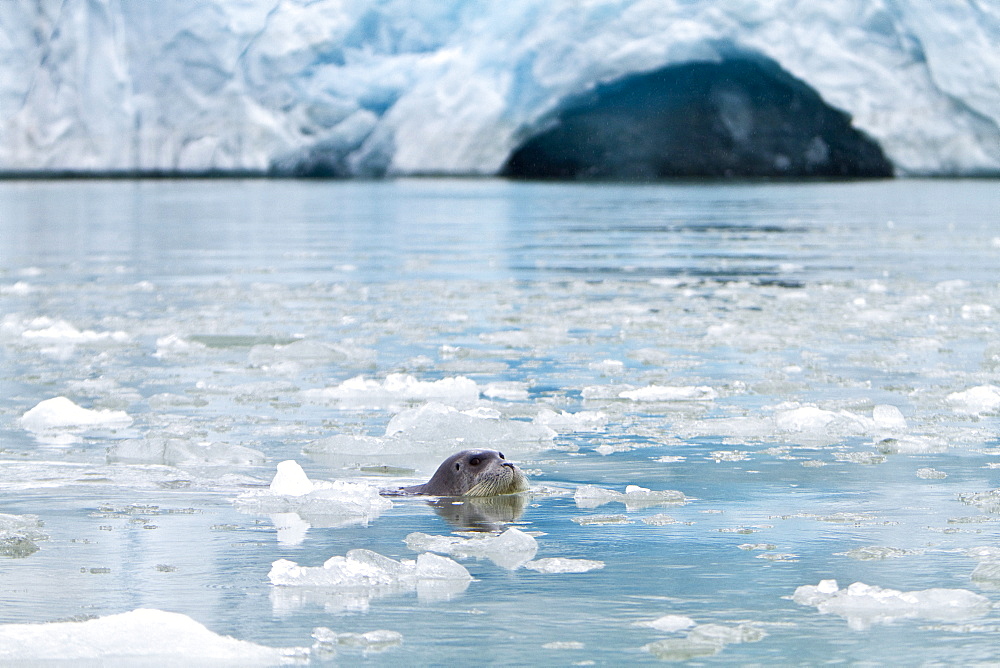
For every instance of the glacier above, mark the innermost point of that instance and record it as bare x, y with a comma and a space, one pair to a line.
453, 87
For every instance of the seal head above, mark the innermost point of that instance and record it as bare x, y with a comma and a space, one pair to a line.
474, 473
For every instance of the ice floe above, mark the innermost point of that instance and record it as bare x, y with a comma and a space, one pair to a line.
183, 452
634, 497
701, 640
396, 391
18, 535
979, 400
61, 413
350, 582
433, 429
671, 393
319, 503
144, 636
563, 565
511, 549
863, 605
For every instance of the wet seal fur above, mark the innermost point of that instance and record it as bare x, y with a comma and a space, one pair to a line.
471, 473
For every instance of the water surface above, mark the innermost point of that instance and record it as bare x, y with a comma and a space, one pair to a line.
789, 312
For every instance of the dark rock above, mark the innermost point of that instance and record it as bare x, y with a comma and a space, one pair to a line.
743, 117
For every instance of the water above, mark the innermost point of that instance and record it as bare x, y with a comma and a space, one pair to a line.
802, 307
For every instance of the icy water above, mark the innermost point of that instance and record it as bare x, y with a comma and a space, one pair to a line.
814, 367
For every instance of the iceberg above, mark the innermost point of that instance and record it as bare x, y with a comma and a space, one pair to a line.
383, 87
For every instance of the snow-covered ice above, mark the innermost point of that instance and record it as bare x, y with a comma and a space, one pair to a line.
61, 413
144, 636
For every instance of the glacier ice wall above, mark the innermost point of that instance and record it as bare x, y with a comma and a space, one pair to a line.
376, 87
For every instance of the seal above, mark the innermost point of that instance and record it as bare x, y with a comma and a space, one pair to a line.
473, 473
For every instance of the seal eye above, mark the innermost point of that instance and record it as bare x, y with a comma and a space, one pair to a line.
474, 461
501, 455
457, 466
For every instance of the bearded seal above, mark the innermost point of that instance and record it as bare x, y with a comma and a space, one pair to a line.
473, 473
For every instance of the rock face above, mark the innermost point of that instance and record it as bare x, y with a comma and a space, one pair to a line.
736, 118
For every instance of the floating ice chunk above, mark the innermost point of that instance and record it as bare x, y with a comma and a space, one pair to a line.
51, 331
876, 553
365, 574
397, 390
607, 367
302, 352
18, 534
563, 565
668, 393
602, 519
145, 636
988, 501
564, 421
931, 474
507, 391
814, 419
511, 549
888, 418
704, 640
912, 445
290, 480
180, 452
173, 345
668, 623
635, 497
320, 503
371, 641
863, 605
435, 422
61, 413
980, 400
564, 644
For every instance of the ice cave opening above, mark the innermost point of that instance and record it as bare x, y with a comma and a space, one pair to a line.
741, 117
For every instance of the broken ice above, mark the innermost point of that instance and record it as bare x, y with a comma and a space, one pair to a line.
318, 503
863, 605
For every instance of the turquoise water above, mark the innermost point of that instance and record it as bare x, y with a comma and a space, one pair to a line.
786, 316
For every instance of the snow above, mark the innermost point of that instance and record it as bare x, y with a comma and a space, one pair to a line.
143, 635
61, 413
863, 605
376, 87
